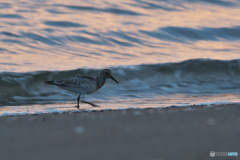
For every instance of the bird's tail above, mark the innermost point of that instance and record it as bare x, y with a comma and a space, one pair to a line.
49, 82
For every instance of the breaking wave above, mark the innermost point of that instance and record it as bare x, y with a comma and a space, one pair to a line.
196, 76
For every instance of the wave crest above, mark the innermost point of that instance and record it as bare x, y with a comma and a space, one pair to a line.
191, 76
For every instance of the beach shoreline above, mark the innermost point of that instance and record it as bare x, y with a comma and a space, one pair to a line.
189, 132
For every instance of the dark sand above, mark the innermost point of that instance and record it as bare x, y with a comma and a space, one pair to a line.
186, 133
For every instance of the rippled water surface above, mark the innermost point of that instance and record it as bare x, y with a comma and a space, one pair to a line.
163, 52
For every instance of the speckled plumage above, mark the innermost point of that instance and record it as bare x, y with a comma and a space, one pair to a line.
78, 84
83, 84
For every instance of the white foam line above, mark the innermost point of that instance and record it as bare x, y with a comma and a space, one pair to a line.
209, 104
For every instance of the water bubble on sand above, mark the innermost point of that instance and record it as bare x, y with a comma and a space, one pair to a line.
79, 129
211, 121
137, 113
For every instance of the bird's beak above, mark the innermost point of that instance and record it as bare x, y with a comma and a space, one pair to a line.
114, 79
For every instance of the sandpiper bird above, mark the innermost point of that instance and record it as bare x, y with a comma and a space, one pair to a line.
84, 84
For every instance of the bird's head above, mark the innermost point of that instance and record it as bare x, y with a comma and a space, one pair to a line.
106, 73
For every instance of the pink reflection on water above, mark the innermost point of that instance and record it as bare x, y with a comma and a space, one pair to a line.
70, 52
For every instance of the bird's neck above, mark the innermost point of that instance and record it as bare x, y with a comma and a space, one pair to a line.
100, 81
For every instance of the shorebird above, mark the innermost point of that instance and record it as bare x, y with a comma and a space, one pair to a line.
84, 84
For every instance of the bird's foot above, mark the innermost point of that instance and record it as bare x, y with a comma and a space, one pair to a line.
77, 107
94, 105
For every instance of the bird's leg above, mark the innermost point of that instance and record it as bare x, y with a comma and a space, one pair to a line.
78, 101
94, 105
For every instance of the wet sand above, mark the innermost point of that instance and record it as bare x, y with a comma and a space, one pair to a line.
150, 134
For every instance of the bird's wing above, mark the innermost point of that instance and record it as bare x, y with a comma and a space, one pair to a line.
83, 82
86, 77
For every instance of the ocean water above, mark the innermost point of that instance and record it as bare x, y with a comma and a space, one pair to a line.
163, 53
